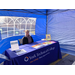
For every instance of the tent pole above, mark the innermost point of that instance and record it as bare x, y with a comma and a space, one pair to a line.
46, 20
0, 36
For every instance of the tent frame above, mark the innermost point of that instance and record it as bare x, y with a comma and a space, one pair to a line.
38, 12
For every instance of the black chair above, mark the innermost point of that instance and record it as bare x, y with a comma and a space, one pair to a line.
20, 41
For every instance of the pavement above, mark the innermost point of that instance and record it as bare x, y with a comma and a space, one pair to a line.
67, 59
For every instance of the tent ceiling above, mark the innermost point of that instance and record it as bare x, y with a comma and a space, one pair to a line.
33, 11
38, 11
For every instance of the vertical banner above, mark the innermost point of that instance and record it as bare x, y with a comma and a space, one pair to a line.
0, 36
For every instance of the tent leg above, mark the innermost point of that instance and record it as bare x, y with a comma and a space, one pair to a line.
46, 20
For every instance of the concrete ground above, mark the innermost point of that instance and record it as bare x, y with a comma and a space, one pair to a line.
67, 59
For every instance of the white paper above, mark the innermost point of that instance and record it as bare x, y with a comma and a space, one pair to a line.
43, 39
14, 45
21, 52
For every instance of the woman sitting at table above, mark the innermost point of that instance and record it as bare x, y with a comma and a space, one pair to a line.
27, 38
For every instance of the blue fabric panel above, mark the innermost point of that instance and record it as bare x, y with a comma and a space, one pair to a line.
41, 36
20, 14
61, 26
0, 36
35, 11
38, 37
35, 38
40, 26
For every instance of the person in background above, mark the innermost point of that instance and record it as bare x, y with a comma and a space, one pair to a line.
27, 38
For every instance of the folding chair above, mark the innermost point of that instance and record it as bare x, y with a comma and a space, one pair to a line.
20, 41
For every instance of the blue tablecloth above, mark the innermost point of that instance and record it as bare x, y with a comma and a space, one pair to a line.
41, 56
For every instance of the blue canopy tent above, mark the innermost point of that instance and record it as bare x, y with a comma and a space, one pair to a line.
61, 26
57, 22
40, 29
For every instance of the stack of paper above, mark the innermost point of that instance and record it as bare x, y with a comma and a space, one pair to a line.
37, 46
22, 51
43, 44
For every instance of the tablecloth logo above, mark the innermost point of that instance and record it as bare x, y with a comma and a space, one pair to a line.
26, 59
38, 55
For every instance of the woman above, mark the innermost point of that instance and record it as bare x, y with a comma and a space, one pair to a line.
27, 38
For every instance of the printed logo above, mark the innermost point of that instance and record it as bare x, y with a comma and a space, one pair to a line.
26, 59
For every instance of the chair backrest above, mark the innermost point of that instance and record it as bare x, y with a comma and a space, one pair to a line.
20, 41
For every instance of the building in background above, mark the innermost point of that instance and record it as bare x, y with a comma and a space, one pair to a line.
12, 26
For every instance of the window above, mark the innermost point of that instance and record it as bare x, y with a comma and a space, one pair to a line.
13, 26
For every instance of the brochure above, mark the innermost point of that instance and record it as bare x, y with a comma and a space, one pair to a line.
14, 45
22, 51
49, 42
37, 46
43, 44
46, 43
52, 41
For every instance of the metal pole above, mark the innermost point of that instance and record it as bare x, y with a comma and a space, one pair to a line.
0, 36
46, 20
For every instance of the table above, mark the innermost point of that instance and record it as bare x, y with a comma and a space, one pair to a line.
40, 56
